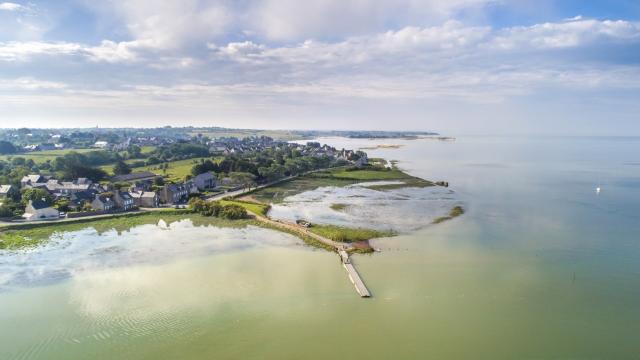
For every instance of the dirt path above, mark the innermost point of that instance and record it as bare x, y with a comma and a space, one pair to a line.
301, 230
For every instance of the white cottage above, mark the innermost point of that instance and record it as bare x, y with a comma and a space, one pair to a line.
40, 210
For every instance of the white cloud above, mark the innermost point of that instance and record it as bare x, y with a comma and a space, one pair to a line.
577, 32
169, 23
29, 83
24, 51
246, 48
468, 65
296, 20
115, 52
9, 6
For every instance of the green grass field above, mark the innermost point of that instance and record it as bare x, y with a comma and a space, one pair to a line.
147, 149
283, 135
176, 172
345, 234
393, 174
260, 209
371, 175
40, 157
338, 178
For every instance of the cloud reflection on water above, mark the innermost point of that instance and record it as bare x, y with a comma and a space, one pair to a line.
71, 253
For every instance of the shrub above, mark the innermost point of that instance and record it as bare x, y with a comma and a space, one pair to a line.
233, 212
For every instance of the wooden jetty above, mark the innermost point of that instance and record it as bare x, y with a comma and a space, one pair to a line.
357, 282
338, 246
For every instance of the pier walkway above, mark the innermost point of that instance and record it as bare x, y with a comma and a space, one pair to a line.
357, 282
341, 249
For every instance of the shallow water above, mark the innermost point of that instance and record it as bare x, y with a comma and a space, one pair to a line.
400, 210
539, 267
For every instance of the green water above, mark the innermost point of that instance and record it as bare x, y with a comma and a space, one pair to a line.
539, 267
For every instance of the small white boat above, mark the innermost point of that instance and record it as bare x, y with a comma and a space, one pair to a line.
598, 189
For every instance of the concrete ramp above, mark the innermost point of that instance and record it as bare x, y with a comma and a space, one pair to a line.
357, 282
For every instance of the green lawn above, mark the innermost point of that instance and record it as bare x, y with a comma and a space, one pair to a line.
374, 174
345, 234
338, 178
260, 209
40, 157
371, 175
147, 149
283, 135
176, 172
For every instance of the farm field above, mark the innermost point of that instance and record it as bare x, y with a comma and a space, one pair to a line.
40, 157
284, 135
176, 172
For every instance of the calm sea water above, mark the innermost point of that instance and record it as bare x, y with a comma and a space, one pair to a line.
540, 266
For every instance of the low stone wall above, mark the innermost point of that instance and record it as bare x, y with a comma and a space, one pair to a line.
73, 215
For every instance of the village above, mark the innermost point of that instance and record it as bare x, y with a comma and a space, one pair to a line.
216, 166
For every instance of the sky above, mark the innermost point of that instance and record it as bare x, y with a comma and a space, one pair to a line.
567, 67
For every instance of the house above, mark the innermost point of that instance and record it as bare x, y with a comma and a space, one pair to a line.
148, 199
33, 180
144, 185
136, 176
40, 210
217, 149
191, 187
103, 202
101, 144
123, 200
361, 162
82, 181
46, 146
174, 193
205, 181
8, 191
67, 187
79, 199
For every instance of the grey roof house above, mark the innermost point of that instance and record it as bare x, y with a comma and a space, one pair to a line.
103, 202
123, 200
205, 181
40, 210
34, 180
174, 193
148, 199
8, 191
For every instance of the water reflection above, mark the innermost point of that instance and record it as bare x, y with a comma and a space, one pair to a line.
73, 253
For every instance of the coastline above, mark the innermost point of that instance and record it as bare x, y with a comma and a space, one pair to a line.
17, 236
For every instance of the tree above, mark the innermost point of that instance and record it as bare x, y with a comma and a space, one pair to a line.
233, 212
203, 167
87, 206
62, 205
121, 168
7, 147
74, 171
134, 151
243, 178
36, 194
5, 211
